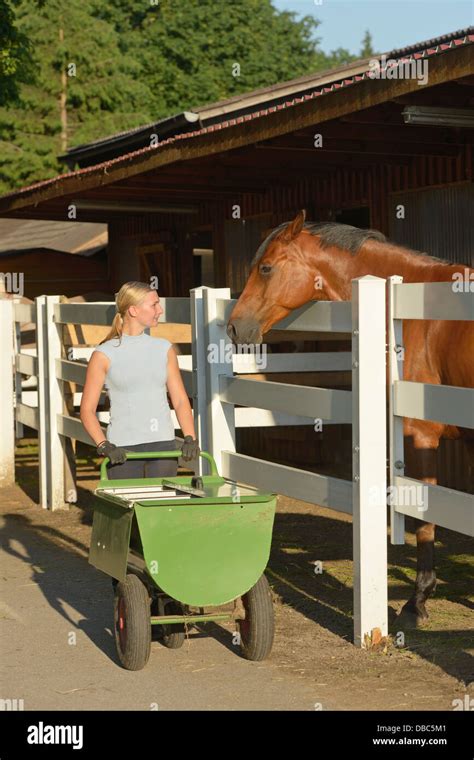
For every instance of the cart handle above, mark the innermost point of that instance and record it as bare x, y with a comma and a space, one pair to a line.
158, 455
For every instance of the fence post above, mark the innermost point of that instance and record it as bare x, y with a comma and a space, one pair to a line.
369, 460
396, 447
220, 415
56, 406
43, 433
69, 444
18, 377
7, 412
50, 401
199, 354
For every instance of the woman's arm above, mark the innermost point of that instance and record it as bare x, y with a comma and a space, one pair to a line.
95, 376
178, 395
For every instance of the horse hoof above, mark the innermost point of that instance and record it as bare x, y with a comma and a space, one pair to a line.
413, 614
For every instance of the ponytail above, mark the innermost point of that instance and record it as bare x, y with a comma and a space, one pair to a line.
116, 329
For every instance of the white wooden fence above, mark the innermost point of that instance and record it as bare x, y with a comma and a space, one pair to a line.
441, 506
216, 389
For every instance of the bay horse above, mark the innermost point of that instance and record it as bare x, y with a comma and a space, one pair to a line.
298, 254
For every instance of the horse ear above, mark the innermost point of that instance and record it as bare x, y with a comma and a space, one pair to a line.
294, 228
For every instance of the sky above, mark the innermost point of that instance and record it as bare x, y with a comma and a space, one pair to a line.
392, 23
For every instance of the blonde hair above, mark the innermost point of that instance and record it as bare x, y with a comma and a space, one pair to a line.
131, 293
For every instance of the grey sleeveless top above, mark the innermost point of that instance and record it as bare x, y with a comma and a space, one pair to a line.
136, 384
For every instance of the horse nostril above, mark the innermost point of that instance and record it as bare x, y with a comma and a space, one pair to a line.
231, 331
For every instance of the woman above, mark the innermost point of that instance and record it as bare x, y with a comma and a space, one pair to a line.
136, 370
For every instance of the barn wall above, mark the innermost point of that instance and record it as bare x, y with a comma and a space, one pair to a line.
124, 263
438, 220
48, 272
127, 234
241, 239
345, 187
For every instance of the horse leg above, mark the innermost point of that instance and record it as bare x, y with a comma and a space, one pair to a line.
469, 444
421, 463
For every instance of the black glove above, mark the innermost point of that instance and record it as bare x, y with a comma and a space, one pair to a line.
190, 448
116, 454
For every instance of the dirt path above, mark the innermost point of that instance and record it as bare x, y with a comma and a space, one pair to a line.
58, 650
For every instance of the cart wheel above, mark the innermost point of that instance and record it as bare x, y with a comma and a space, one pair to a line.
132, 622
173, 635
258, 627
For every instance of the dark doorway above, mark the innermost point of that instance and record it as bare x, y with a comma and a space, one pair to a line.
203, 259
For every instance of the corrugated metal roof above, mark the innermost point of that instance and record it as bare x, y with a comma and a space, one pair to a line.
322, 84
180, 122
434, 42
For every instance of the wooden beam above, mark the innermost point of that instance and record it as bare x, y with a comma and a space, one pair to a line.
367, 147
378, 131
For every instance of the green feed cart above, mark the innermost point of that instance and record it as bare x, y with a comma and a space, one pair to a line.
182, 551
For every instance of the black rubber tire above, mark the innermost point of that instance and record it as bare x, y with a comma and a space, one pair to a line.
132, 625
173, 636
258, 629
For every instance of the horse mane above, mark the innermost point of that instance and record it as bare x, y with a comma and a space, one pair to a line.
343, 236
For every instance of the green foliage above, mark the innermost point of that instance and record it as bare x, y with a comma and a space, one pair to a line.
194, 52
14, 56
78, 56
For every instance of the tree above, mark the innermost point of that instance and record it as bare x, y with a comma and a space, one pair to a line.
15, 49
194, 52
85, 88
367, 49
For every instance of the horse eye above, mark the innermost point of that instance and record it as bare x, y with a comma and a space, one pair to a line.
265, 268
